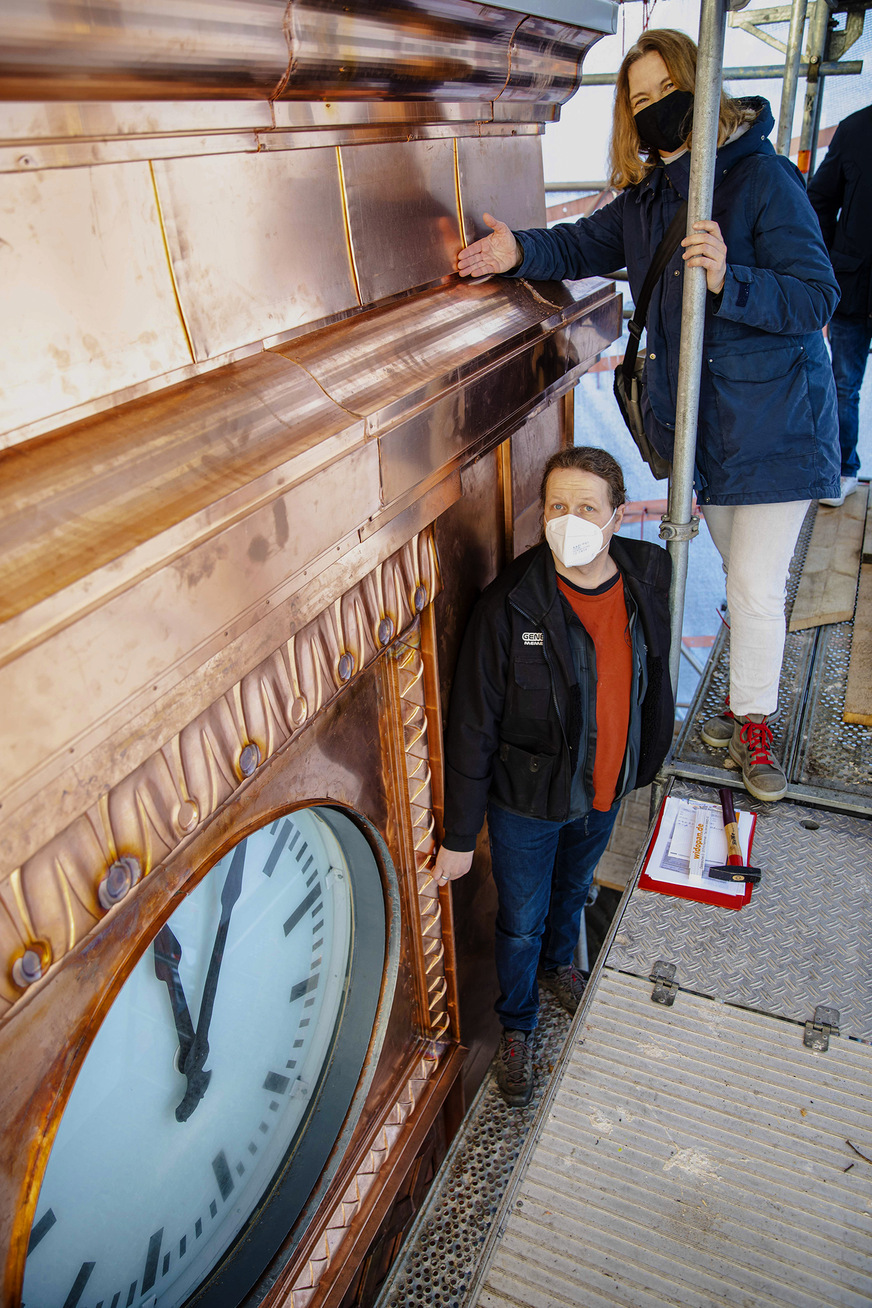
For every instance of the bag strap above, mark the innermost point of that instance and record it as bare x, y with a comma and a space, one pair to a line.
662, 255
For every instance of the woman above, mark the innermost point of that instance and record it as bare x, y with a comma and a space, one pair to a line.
767, 434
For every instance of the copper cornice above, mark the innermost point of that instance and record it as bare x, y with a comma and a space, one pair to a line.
285, 49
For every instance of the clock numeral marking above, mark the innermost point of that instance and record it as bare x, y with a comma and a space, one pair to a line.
276, 852
198, 1228
306, 866
132, 1295
305, 987
263, 1128
41, 1229
222, 1174
149, 1276
78, 1286
276, 1083
240, 1167
300, 912
183, 1244
252, 1147
301, 851
166, 1265
115, 1299
213, 1209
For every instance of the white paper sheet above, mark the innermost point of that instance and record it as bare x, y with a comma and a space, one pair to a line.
669, 861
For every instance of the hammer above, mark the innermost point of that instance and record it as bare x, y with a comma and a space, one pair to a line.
734, 869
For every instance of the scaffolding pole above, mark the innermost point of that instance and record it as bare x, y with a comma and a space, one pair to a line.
791, 75
818, 39
679, 525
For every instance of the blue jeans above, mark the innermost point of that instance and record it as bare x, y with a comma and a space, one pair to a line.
849, 341
543, 871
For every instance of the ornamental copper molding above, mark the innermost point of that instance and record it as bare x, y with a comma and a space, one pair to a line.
50, 903
390, 1134
413, 721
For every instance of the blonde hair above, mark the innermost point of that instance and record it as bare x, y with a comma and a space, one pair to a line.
678, 52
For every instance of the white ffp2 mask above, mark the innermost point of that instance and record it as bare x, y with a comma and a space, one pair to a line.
575, 541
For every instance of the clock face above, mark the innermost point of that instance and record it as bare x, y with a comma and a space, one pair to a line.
192, 1112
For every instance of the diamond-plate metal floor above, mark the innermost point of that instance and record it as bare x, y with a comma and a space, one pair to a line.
803, 940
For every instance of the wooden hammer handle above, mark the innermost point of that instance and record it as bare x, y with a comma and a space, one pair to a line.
731, 826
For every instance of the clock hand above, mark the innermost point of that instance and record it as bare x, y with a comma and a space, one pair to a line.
195, 1061
167, 956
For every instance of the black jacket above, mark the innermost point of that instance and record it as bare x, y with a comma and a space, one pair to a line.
519, 723
841, 196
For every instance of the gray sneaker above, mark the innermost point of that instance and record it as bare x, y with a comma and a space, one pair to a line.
565, 983
751, 748
718, 731
514, 1068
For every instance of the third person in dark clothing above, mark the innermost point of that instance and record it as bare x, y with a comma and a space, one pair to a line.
841, 195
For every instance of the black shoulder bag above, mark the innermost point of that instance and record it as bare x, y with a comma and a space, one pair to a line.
628, 374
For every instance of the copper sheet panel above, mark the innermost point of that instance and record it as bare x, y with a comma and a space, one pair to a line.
501, 176
386, 363
109, 498
86, 283
531, 446
54, 120
257, 243
111, 654
402, 214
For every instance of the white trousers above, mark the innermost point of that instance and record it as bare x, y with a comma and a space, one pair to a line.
756, 543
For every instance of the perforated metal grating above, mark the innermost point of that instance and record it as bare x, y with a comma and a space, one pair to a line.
830, 753
442, 1247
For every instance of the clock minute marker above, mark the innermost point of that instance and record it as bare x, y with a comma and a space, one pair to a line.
222, 1174
41, 1229
149, 1276
304, 987
276, 852
78, 1287
302, 909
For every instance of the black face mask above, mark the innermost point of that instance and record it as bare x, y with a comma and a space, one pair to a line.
665, 125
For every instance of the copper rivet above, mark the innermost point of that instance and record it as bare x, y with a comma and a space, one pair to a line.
299, 709
120, 879
188, 815
249, 760
31, 965
346, 667
420, 598
385, 631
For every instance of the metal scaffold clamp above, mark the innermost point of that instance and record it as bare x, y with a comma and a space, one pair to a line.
670, 530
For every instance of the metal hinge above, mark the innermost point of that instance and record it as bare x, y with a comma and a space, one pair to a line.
818, 1031
665, 986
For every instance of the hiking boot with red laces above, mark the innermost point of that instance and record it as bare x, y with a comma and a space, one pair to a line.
514, 1068
565, 983
751, 748
718, 731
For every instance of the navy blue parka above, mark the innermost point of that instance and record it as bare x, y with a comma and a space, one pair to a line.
768, 431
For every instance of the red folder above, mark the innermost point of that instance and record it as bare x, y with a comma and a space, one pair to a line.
703, 894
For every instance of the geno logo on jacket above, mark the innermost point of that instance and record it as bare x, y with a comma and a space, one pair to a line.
532, 637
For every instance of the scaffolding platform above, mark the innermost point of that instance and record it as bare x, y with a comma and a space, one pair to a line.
715, 1148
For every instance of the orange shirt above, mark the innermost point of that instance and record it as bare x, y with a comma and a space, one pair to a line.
603, 614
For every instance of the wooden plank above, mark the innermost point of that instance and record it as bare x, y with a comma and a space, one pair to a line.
828, 585
858, 695
867, 536
626, 841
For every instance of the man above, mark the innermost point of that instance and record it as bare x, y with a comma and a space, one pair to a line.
841, 196
561, 704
